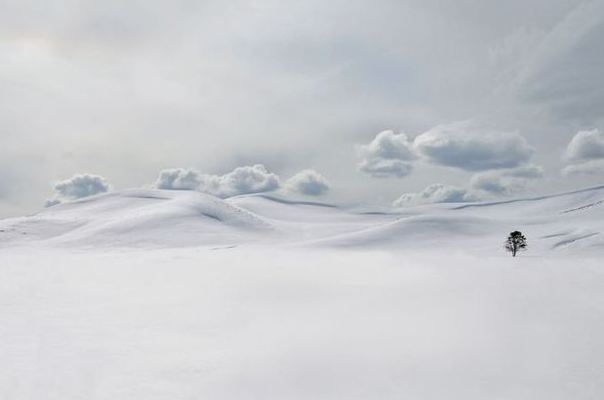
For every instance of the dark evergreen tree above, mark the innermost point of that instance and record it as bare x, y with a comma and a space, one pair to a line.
515, 243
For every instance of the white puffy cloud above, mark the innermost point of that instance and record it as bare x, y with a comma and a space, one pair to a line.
507, 181
585, 146
77, 187
242, 180
468, 146
179, 179
585, 153
388, 155
308, 182
593, 167
435, 193
465, 145
82, 185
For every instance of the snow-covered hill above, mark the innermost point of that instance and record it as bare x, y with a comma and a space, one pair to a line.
155, 218
155, 295
163, 218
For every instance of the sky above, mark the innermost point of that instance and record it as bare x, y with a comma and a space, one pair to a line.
354, 102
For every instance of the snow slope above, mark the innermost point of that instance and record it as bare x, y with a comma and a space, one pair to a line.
138, 218
176, 295
562, 223
162, 218
244, 323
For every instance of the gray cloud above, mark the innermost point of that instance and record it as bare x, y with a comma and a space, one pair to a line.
242, 180
308, 182
585, 146
507, 181
467, 146
82, 185
387, 155
435, 193
158, 82
562, 72
588, 168
179, 179
585, 154
52, 202
77, 187
381, 168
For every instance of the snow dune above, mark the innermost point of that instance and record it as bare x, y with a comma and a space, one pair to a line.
164, 218
153, 294
138, 218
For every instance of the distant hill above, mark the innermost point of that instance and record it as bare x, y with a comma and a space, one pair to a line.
165, 218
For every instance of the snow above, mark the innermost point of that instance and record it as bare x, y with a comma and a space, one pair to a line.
173, 218
156, 294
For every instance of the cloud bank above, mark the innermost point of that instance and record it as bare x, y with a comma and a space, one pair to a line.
242, 180
308, 182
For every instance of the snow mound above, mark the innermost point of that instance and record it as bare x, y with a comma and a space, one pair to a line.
139, 217
564, 222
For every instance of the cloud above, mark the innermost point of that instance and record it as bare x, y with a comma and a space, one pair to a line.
388, 155
467, 146
51, 202
179, 179
588, 168
563, 72
305, 58
308, 182
242, 180
585, 154
506, 182
385, 168
435, 193
82, 185
77, 187
585, 146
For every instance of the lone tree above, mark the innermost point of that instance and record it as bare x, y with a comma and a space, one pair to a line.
516, 242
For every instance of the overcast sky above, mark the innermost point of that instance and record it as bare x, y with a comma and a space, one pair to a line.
380, 100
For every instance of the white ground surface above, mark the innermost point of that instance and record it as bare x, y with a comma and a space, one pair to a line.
177, 295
